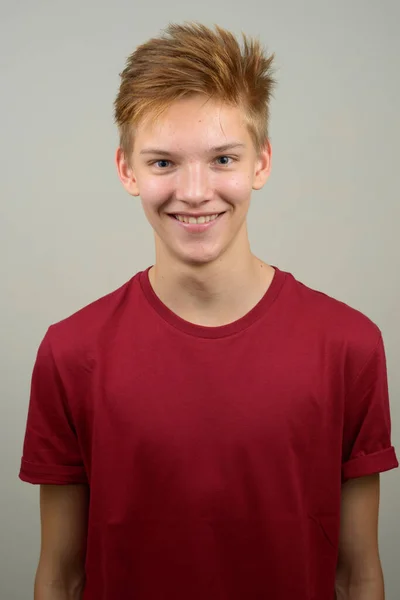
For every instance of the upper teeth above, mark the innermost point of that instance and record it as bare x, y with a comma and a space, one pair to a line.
205, 219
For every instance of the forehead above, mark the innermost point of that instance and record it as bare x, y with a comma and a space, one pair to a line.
194, 123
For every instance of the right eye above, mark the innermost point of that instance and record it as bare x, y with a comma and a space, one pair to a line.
162, 163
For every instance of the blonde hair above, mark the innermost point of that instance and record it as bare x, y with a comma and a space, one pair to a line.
194, 59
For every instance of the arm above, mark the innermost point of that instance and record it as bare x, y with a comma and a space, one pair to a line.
359, 572
61, 570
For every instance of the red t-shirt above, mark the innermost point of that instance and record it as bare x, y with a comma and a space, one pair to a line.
214, 455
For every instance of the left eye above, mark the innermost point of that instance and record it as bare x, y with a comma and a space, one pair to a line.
226, 160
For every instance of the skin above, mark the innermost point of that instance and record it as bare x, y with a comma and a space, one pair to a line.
209, 278
359, 571
64, 515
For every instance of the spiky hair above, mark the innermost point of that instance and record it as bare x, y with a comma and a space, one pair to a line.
192, 59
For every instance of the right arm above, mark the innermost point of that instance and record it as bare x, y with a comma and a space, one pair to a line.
61, 570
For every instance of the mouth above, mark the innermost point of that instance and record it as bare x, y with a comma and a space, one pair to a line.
196, 219
196, 223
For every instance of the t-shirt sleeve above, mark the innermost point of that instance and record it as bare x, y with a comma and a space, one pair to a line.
367, 447
51, 453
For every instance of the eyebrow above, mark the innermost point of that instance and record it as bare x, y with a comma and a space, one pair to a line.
214, 149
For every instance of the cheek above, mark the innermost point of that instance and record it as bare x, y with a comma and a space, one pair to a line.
155, 192
236, 188
154, 186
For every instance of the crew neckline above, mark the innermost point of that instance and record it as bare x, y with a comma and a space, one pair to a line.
220, 331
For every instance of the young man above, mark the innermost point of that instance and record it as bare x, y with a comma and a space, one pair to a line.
213, 429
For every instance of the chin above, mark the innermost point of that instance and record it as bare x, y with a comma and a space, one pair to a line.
199, 259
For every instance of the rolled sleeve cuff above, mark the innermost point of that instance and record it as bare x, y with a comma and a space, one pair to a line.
51, 474
369, 464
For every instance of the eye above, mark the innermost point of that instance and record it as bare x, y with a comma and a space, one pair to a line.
225, 160
161, 163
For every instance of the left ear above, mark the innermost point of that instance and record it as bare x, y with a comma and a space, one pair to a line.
263, 166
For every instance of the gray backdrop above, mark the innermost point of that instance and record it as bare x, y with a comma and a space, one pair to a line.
70, 234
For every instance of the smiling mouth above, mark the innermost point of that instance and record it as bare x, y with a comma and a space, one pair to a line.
200, 220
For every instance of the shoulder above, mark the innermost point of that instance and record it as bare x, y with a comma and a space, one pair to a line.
336, 323
74, 337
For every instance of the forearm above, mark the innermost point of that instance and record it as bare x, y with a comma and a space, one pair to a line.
361, 588
47, 588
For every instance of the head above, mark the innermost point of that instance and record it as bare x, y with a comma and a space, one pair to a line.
193, 113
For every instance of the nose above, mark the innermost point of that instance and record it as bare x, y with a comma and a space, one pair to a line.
193, 184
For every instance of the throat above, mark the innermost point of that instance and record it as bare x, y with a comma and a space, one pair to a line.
212, 300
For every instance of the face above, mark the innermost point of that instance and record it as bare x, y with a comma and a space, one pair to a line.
194, 169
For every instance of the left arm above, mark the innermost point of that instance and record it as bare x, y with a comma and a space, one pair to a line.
359, 572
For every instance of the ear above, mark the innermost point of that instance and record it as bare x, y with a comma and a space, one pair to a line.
125, 173
263, 166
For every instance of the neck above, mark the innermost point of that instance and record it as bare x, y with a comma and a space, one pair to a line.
211, 294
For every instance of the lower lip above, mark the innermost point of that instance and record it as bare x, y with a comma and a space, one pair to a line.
197, 227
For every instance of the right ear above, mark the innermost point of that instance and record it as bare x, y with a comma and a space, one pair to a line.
125, 173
